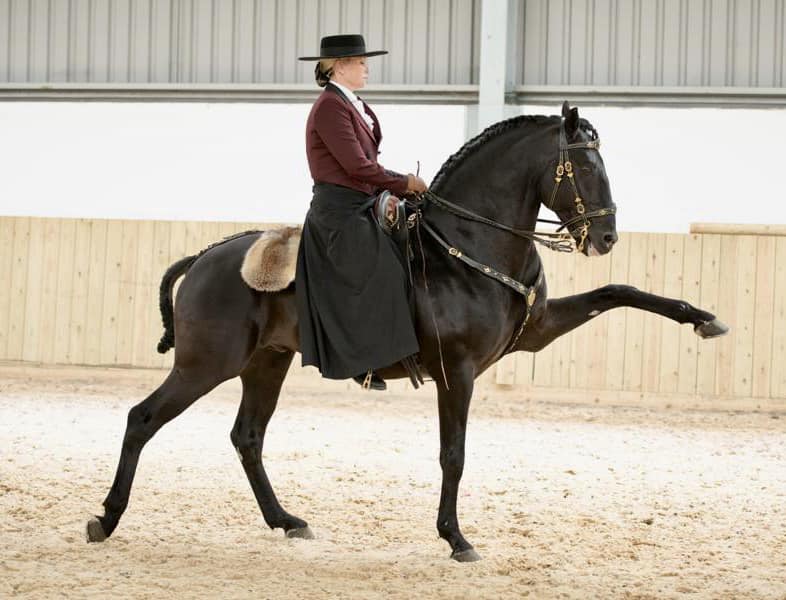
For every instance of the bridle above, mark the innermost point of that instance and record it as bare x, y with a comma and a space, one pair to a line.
583, 219
559, 240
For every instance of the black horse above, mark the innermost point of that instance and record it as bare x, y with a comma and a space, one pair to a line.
466, 318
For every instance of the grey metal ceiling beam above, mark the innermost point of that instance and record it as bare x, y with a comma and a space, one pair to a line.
722, 97
270, 93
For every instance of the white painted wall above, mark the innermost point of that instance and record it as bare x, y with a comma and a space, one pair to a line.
246, 162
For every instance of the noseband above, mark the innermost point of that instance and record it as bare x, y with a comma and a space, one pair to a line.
583, 219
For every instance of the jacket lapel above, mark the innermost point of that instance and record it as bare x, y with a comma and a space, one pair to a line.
377, 129
355, 115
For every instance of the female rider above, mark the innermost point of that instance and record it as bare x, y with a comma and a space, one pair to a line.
351, 287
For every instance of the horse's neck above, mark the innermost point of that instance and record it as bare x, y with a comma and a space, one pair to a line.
499, 183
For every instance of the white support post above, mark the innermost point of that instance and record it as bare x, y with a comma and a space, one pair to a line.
493, 64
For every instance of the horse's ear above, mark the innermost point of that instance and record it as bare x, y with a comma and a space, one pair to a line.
571, 119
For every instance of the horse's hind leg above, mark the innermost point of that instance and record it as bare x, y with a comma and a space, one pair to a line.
453, 410
565, 314
180, 389
262, 380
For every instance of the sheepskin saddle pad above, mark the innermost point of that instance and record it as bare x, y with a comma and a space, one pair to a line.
269, 264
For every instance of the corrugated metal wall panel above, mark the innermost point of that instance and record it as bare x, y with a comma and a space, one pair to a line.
688, 43
651, 42
231, 41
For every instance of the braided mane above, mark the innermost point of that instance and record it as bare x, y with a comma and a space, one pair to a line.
470, 147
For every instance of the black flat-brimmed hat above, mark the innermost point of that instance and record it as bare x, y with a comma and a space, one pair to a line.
342, 46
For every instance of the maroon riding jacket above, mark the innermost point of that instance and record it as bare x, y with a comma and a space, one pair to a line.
341, 148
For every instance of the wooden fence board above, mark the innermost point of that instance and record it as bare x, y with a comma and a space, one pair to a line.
49, 295
110, 305
33, 291
65, 291
543, 359
524, 364
745, 288
598, 328
79, 308
669, 351
564, 267
506, 370
143, 343
95, 291
580, 347
211, 233
778, 381
691, 292
161, 262
727, 310
178, 239
194, 241
653, 324
615, 345
764, 316
634, 319
710, 282
127, 292
7, 260
16, 316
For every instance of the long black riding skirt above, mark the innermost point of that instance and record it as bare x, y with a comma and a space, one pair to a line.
351, 288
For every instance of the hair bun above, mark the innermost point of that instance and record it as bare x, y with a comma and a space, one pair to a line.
322, 77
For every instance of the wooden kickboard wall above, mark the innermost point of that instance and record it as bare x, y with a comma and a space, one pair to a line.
85, 292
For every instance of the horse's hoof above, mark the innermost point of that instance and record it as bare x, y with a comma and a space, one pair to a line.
468, 555
711, 329
303, 533
95, 531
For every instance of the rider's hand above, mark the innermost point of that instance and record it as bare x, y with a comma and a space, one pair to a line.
415, 185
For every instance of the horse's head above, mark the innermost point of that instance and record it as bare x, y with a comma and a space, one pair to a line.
575, 185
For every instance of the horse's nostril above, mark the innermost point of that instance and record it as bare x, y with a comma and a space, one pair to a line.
610, 238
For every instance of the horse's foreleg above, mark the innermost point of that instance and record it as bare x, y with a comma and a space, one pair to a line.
565, 314
180, 389
262, 380
453, 410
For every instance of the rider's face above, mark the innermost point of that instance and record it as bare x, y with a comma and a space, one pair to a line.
352, 72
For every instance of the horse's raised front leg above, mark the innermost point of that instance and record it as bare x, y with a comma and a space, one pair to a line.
262, 380
565, 314
453, 410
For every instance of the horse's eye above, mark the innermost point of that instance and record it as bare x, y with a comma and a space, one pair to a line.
586, 169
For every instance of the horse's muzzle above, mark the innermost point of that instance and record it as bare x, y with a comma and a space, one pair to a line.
600, 243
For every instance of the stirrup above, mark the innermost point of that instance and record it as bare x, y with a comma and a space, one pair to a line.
371, 381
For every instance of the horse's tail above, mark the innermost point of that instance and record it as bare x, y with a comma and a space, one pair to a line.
165, 300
